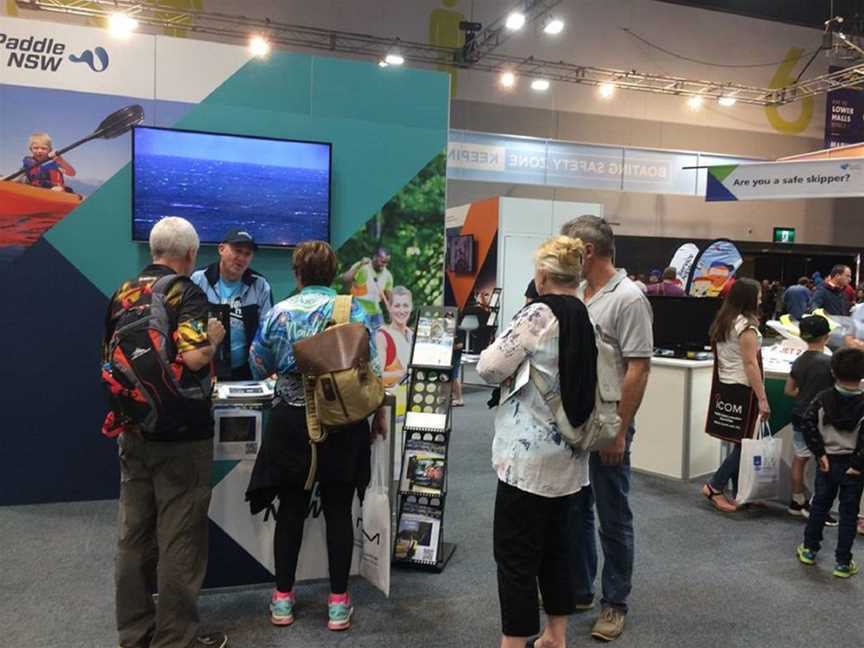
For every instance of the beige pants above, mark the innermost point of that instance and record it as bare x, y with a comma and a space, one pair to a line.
162, 546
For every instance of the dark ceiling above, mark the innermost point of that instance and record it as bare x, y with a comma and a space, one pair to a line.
810, 13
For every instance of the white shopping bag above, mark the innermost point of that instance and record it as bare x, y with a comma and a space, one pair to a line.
759, 472
375, 552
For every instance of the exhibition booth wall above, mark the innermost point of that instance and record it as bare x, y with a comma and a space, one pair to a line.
388, 130
507, 231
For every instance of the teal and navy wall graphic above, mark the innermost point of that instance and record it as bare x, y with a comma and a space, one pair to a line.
386, 126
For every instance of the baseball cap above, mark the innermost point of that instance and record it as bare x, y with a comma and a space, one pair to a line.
813, 327
240, 237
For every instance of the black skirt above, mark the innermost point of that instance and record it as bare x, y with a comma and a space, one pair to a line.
285, 457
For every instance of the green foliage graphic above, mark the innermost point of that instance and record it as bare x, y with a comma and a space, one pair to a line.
411, 228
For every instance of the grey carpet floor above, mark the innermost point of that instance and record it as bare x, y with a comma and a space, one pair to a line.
701, 579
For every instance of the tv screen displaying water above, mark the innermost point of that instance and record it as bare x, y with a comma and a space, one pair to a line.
277, 190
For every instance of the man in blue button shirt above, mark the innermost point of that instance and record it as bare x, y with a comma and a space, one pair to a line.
797, 299
231, 281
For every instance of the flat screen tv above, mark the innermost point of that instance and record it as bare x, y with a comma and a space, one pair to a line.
682, 323
277, 190
460, 254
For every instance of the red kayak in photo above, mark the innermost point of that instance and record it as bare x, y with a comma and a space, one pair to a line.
27, 212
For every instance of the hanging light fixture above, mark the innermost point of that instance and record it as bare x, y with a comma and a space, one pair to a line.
606, 90
540, 85
553, 26
121, 25
515, 21
259, 46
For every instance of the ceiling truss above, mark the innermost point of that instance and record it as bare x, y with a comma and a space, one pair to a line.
480, 53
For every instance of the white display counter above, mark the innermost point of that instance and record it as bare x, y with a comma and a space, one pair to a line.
670, 425
244, 555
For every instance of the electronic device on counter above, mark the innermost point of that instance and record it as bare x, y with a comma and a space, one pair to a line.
245, 390
699, 355
222, 357
206, 179
238, 432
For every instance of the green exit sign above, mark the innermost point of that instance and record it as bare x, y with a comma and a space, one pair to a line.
784, 234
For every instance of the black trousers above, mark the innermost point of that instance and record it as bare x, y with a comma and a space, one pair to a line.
532, 545
336, 501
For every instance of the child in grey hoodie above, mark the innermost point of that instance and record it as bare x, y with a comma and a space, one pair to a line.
832, 427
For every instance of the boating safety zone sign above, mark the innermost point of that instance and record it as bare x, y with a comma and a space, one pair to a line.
833, 178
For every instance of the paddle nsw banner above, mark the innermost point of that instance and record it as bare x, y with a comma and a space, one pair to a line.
784, 180
58, 83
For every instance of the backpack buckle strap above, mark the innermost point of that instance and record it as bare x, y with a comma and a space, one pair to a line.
342, 309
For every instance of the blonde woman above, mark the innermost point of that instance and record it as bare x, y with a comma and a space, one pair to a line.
394, 339
538, 473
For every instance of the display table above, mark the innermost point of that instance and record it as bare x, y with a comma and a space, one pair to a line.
241, 546
670, 424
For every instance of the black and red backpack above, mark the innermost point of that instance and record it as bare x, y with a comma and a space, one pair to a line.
147, 383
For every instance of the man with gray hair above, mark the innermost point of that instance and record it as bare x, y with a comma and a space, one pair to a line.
165, 465
624, 317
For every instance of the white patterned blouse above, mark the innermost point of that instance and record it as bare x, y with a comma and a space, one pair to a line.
528, 451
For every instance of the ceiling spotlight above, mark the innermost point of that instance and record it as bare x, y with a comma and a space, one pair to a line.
394, 58
383, 63
507, 79
259, 46
695, 102
541, 85
515, 21
606, 90
554, 26
120, 25
727, 100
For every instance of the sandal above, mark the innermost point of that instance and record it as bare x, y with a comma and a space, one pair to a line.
458, 403
718, 499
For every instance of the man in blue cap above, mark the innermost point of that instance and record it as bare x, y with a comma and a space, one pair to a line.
247, 294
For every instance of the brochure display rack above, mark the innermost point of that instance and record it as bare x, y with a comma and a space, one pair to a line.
494, 307
419, 538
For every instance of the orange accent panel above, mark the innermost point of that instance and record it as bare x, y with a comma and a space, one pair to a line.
482, 222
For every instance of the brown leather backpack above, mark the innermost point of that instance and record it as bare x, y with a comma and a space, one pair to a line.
341, 387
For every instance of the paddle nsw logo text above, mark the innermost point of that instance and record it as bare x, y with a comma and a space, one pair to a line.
48, 54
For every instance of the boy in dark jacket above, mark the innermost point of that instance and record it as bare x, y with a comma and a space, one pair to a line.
832, 427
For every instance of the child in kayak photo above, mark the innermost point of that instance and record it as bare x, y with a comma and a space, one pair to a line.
44, 168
